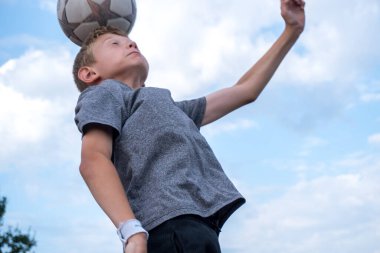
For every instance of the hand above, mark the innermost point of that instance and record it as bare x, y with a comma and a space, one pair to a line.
137, 244
293, 13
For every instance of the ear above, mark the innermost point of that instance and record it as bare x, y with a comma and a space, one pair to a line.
88, 75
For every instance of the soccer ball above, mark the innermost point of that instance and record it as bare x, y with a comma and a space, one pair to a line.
78, 18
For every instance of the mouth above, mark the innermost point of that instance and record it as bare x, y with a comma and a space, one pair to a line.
133, 52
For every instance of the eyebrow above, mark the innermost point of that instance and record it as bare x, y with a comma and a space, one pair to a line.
113, 36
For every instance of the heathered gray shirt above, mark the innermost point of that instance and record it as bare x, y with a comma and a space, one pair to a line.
165, 164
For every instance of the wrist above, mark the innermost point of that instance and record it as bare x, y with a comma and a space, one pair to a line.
131, 230
139, 238
295, 29
293, 32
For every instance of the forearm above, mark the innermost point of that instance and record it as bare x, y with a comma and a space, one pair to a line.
258, 76
104, 183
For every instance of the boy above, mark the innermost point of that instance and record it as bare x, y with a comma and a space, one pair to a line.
143, 158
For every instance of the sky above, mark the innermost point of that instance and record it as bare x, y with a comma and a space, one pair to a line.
306, 154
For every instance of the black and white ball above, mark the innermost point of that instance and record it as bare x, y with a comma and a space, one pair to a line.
80, 17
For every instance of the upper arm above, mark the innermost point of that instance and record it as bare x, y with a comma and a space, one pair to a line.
225, 101
194, 109
97, 140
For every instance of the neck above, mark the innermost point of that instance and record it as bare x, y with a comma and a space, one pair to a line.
133, 82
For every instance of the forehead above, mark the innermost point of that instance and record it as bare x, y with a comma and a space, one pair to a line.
101, 42
104, 37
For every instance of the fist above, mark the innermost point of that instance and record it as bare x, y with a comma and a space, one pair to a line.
293, 13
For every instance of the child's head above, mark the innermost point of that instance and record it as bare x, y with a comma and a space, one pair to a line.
108, 53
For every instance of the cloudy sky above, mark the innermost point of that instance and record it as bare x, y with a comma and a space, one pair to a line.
306, 154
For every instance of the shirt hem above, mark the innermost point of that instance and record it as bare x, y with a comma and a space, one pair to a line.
218, 211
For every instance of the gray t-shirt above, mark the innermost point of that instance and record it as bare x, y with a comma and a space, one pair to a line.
166, 166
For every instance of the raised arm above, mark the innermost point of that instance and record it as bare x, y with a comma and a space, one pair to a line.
104, 183
252, 83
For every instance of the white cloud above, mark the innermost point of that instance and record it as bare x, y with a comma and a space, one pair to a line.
40, 74
320, 62
37, 100
49, 5
192, 45
370, 93
374, 139
326, 214
22, 119
374, 97
310, 144
338, 45
218, 128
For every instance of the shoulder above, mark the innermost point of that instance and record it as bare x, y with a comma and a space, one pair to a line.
194, 109
192, 103
102, 104
109, 90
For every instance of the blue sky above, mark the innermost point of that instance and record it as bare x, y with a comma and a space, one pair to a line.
306, 154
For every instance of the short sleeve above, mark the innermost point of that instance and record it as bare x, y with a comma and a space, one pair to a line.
98, 105
194, 109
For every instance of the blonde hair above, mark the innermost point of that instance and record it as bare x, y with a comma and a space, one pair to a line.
85, 57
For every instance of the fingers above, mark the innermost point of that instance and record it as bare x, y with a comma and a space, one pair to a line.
300, 3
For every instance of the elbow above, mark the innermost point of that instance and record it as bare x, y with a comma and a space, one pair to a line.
250, 99
86, 170
247, 94
91, 165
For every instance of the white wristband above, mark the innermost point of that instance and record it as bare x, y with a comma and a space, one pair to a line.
129, 228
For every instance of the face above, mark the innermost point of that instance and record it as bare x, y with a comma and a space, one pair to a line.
118, 57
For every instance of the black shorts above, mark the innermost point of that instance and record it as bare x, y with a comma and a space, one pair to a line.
185, 234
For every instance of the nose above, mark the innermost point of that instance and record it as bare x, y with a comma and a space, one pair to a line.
132, 44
